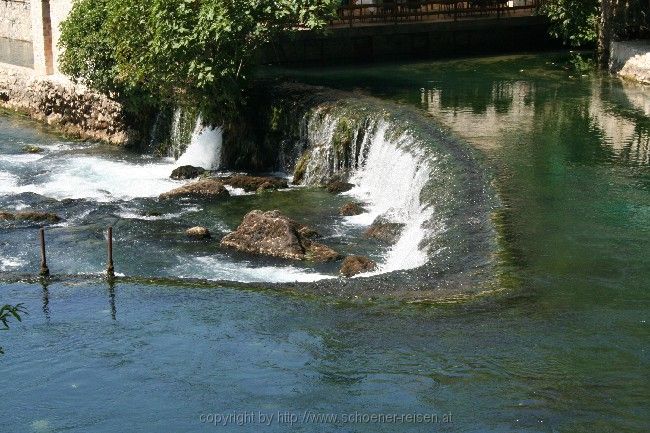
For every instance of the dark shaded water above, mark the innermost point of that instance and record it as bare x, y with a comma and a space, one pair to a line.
564, 350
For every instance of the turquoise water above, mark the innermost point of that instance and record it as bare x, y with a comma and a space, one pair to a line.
563, 349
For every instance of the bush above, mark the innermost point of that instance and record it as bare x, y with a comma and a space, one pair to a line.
194, 52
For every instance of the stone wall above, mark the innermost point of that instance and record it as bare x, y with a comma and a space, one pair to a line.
15, 20
59, 10
68, 107
631, 60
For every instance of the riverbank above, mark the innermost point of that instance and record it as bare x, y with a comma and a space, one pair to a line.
631, 60
67, 107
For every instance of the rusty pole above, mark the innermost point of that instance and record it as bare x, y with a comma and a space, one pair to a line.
110, 270
44, 272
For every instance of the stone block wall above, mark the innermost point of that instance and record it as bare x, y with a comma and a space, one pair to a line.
15, 20
68, 107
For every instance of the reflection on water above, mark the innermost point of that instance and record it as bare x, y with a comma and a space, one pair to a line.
484, 114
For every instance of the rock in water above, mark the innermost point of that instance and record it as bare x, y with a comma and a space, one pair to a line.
316, 252
384, 230
187, 172
254, 183
353, 265
274, 234
338, 186
198, 232
30, 148
350, 209
206, 189
29, 216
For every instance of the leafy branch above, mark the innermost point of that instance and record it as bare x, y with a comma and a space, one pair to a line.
6, 313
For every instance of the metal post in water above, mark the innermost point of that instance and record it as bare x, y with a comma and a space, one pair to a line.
110, 270
44, 272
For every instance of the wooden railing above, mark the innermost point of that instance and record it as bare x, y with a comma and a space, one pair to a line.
396, 11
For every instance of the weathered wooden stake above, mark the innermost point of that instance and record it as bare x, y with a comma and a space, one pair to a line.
110, 270
44, 272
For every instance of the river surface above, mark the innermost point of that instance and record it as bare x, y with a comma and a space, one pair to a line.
563, 350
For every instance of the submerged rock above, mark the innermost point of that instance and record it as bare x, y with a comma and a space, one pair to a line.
274, 234
254, 183
353, 265
198, 232
384, 230
350, 209
29, 216
206, 189
187, 172
337, 186
30, 148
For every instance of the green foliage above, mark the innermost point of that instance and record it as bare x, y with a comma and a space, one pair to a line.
580, 63
6, 313
575, 22
196, 52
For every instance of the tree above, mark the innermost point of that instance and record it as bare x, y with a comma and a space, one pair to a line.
6, 313
575, 22
199, 52
584, 22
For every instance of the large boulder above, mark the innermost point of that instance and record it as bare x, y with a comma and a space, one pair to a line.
187, 172
274, 234
254, 183
198, 232
384, 230
34, 216
205, 189
353, 265
350, 209
338, 186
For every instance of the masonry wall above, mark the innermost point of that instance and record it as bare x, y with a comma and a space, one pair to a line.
15, 20
59, 10
30, 31
16, 33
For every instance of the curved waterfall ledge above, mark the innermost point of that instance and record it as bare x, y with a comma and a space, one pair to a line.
391, 164
407, 170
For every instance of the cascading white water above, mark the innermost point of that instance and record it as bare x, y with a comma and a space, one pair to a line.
389, 175
204, 149
391, 180
194, 143
107, 179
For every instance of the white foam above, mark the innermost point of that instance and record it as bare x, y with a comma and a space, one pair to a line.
219, 268
100, 179
10, 263
395, 196
389, 181
21, 158
8, 182
204, 149
132, 214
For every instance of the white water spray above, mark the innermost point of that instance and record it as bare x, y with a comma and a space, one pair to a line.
389, 173
204, 149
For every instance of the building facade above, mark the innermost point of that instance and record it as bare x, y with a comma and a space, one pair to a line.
29, 33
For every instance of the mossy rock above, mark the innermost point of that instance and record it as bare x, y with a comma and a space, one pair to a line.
301, 168
30, 148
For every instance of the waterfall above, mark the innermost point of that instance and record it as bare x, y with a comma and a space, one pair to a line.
389, 169
391, 181
204, 149
191, 142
